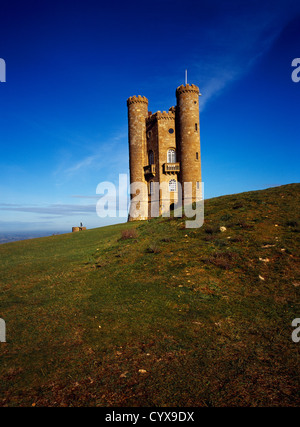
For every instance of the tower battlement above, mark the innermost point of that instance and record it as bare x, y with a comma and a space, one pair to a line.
165, 115
135, 99
164, 148
187, 88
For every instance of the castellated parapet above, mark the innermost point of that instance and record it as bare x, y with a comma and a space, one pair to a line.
161, 116
164, 148
135, 99
187, 89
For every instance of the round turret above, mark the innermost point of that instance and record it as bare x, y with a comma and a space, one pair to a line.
137, 114
137, 99
188, 136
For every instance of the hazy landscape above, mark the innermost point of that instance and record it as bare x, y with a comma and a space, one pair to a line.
15, 236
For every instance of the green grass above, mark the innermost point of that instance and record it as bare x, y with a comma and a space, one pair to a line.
86, 311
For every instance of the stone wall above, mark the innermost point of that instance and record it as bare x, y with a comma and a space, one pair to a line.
76, 229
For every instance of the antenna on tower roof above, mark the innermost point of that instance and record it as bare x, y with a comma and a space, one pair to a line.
185, 77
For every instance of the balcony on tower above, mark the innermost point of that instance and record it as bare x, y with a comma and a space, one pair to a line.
149, 170
171, 167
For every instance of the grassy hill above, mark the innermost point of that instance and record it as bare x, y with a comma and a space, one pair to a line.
151, 313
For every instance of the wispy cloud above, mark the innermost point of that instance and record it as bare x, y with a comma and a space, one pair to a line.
104, 154
88, 161
53, 210
236, 40
78, 196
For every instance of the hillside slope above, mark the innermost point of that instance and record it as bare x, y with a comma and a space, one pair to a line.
163, 316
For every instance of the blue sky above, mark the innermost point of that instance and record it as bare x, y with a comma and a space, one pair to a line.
71, 65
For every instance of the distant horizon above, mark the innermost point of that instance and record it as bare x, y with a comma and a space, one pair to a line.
17, 235
26, 235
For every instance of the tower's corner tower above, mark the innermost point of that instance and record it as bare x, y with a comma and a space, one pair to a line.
137, 113
188, 136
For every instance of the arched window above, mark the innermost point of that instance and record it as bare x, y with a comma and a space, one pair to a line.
172, 185
171, 158
151, 157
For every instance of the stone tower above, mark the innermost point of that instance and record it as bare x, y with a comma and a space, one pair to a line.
164, 150
187, 115
137, 114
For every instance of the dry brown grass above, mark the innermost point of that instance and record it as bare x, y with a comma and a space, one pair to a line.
129, 234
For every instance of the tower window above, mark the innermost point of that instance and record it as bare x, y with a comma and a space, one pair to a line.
171, 158
196, 127
151, 157
197, 156
171, 130
172, 185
